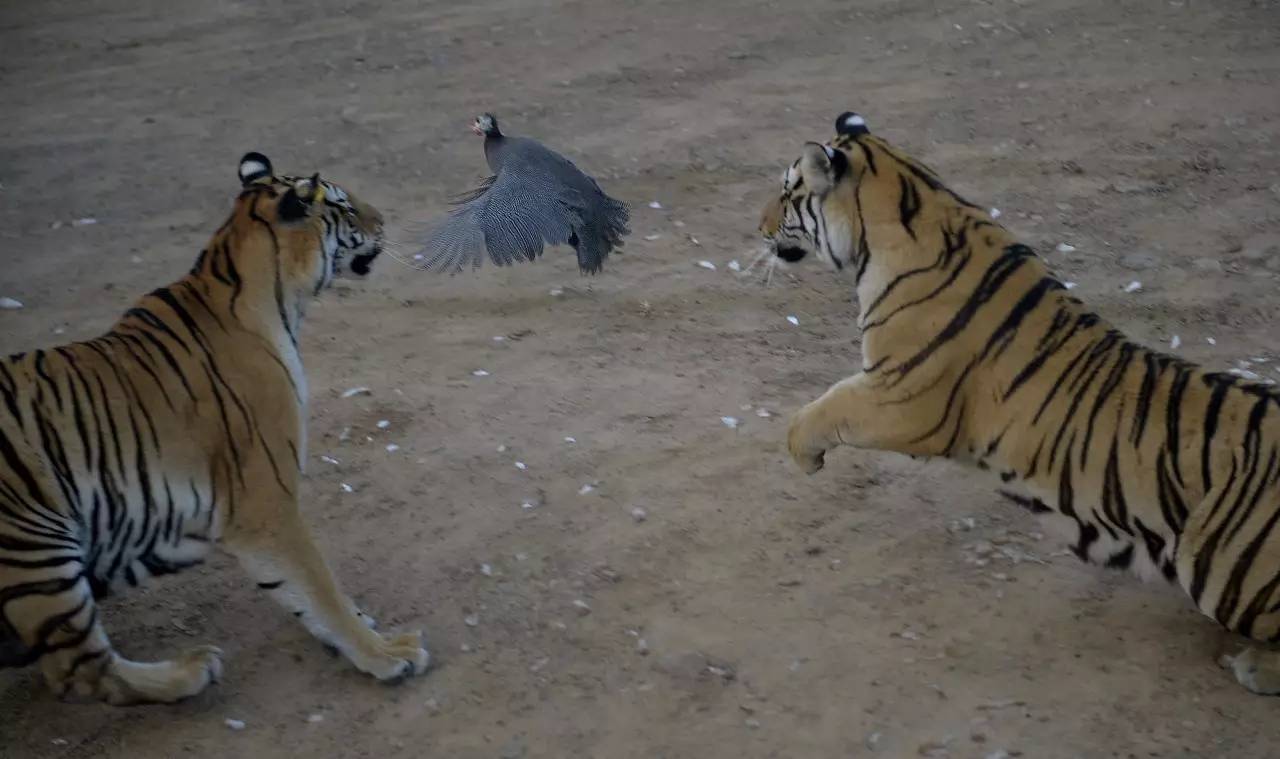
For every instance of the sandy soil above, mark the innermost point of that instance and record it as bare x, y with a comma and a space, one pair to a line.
855, 613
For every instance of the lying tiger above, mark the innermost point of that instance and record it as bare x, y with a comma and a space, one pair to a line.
972, 350
129, 455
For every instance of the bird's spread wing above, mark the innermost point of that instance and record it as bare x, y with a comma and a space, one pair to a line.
511, 217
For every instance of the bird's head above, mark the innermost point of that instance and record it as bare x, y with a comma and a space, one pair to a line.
486, 125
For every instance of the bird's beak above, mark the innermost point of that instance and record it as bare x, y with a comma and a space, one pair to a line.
475, 127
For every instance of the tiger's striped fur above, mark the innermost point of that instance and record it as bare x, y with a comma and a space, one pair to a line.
129, 455
973, 350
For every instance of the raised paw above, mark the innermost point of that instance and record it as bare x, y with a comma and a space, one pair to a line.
398, 657
804, 448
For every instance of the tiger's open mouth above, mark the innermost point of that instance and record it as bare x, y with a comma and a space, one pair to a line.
790, 253
362, 264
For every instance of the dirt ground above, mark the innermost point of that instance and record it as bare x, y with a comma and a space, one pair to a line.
884, 607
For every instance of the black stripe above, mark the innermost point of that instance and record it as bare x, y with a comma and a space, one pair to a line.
1012, 259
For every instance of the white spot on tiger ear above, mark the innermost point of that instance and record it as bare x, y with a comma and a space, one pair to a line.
252, 169
854, 120
831, 154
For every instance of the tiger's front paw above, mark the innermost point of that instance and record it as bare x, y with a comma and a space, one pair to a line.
396, 658
807, 449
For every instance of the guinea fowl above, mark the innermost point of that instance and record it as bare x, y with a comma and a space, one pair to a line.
535, 197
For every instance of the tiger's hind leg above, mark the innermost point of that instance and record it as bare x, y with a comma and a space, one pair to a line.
284, 561
59, 618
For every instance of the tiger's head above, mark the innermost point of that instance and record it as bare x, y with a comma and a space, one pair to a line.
814, 211
843, 199
351, 231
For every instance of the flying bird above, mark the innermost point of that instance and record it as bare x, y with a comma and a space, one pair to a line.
535, 197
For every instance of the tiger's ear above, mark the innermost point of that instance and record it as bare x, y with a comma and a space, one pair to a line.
254, 169
297, 201
821, 166
850, 123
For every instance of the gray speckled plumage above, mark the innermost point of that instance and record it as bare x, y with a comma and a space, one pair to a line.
536, 197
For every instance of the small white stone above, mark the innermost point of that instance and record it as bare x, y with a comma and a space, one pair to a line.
734, 265
730, 421
679, 224
763, 413
330, 460
521, 466
707, 265
1064, 247
499, 338
59, 742
347, 488
1175, 342
135, 259
486, 570
1211, 341
10, 304
1133, 286
356, 391
479, 373
995, 213
639, 514
570, 439
1069, 285
383, 424
314, 718
556, 292
392, 447
655, 205
344, 435
471, 620
502, 449
795, 322
465, 648
694, 240
84, 222
528, 505
642, 647
651, 238
585, 489
522, 556
582, 607
234, 724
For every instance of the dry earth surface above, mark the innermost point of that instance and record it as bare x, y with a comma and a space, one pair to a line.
884, 607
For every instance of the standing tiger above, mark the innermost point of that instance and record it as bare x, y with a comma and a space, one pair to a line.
972, 350
128, 455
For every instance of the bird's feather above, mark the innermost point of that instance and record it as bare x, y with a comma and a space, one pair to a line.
512, 217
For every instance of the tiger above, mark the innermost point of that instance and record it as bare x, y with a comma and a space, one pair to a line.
183, 426
972, 350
